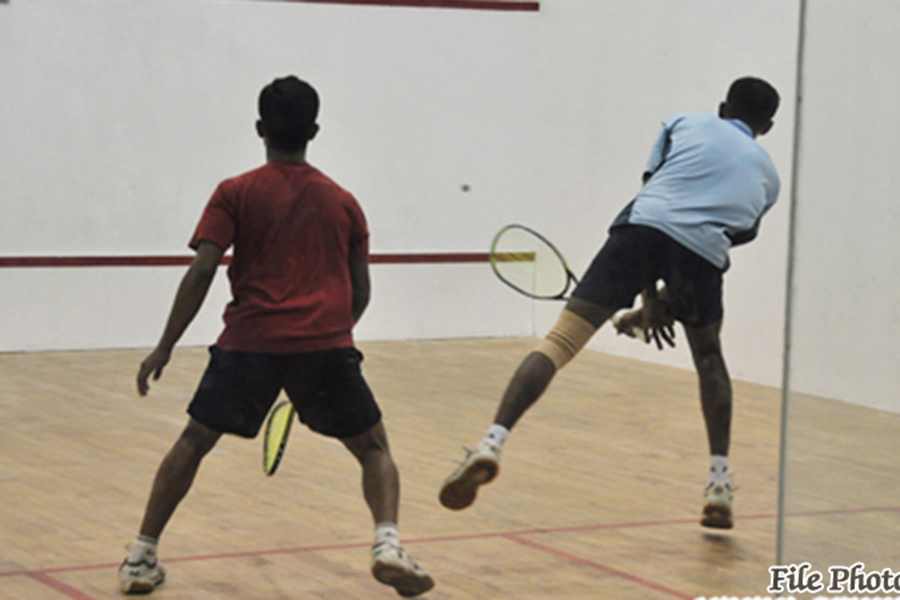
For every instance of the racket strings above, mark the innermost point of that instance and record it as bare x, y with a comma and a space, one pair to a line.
527, 262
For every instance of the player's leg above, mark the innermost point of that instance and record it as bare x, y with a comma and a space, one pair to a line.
380, 478
715, 385
333, 398
234, 396
716, 401
576, 325
617, 274
390, 563
619, 271
140, 572
694, 298
695, 290
175, 475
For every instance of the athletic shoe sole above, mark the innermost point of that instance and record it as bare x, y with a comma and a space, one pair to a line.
717, 516
138, 587
461, 488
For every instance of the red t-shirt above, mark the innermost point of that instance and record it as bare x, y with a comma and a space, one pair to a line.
294, 231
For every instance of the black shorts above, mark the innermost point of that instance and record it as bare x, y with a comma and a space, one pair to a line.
327, 388
636, 257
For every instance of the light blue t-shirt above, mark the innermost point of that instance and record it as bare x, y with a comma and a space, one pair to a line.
711, 185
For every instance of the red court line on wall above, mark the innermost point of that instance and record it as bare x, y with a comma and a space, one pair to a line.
463, 4
430, 258
34, 262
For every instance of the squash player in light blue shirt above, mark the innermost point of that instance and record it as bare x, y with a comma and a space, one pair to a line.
707, 185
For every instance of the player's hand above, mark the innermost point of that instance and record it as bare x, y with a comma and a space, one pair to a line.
630, 323
657, 323
650, 322
666, 332
152, 365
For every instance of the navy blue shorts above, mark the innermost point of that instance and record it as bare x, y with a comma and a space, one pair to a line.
636, 257
327, 389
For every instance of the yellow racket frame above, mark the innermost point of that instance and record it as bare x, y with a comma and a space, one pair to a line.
278, 427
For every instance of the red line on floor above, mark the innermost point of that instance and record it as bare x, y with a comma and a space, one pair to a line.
59, 586
599, 567
569, 529
844, 511
355, 545
347, 546
516, 536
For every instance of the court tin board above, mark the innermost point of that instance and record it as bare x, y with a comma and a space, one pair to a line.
511, 5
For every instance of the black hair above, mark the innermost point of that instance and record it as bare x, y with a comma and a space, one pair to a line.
752, 100
288, 108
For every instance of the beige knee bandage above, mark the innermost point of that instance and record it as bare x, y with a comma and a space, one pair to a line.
566, 339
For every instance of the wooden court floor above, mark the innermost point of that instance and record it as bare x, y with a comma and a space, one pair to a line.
598, 497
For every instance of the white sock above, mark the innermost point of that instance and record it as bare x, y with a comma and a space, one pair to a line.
497, 434
718, 469
387, 532
144, 548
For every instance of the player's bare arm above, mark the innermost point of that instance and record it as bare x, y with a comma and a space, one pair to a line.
362, 286
188, 300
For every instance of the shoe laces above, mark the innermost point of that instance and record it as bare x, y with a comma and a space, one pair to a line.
469, 452
730, 486
143, 560
383, 547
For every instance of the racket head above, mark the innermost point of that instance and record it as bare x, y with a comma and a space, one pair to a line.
276, 435
529, 263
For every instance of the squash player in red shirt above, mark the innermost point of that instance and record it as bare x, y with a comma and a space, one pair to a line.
300, 281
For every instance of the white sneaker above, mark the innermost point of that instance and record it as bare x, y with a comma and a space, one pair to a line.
391, 565
717, 512
141, 577
480, 467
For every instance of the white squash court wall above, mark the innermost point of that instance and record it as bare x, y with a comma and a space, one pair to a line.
120, 116
845, 312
